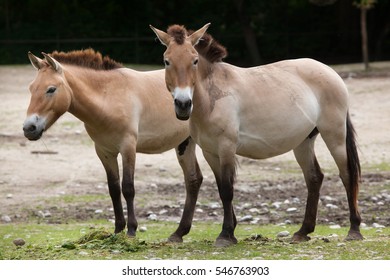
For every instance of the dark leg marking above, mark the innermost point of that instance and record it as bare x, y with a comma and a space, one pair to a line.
313, 133
182, 147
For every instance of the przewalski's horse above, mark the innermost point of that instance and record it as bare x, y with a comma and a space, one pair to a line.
261, 112
124, 112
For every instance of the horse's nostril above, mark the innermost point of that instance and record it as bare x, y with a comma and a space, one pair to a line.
31, 128
183, 104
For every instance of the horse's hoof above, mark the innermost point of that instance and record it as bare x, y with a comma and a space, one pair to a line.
131, 233
175, 239
298, 238
119, 227
225, 242
354, 235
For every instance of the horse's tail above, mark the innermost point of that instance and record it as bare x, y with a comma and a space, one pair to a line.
353, 161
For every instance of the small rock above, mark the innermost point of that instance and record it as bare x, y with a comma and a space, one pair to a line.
152, 217
335, 226
83, 253
199, 210
214, 205
143, 229
291, 209
296, 200
276, 204
254, 210
326, 240
284, 233
98, 211
341, 244
328, 198
163, 211
153, 185
46, 214
40, 214
19, 242
247, 205
6, 218
376, 225
331, 206
246, 218
288, 222
374, 199
9, 196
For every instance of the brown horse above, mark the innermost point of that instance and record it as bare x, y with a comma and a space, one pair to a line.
261, 112
124, 112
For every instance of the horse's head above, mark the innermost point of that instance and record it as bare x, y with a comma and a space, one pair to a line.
50, 96
181, 63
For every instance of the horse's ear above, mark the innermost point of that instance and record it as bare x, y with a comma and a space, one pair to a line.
195, 37
35, 61
161, 35
53, 63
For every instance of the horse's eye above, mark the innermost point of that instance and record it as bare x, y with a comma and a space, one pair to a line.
51, 90
195, 62
166, 62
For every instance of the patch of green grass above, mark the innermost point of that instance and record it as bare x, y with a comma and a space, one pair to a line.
68, 198
80, 241
378, 167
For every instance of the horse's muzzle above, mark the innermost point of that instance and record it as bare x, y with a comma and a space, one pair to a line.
183, 109
33, 127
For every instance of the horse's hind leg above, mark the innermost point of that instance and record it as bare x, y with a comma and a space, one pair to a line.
193, 178
307, 160
342, 146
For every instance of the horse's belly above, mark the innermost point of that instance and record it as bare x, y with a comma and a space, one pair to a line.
159, 141
261, 146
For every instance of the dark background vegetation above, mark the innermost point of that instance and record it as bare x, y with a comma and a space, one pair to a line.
254, 31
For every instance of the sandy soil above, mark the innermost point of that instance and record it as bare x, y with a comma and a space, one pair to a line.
60, 178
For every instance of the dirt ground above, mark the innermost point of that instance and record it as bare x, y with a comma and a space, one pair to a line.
60, 179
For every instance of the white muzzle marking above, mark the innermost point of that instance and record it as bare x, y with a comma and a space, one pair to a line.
183, 102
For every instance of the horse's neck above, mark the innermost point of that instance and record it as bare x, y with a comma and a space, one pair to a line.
205, 90
87, 97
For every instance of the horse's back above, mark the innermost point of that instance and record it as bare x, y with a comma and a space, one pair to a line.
280, 104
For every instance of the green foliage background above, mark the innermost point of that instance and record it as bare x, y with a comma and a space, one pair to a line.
120, 28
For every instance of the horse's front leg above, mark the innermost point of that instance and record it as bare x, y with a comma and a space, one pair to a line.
224, 169
193, 179
110, 164
128, 161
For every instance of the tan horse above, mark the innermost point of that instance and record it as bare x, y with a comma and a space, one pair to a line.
261, 112
124, 112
